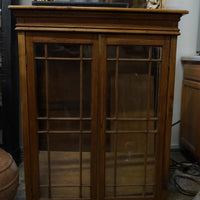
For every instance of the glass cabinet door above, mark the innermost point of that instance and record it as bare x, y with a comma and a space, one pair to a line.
132, 133
64, 117
96, 115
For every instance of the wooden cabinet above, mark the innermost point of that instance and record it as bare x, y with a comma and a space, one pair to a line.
97, 95
190, 117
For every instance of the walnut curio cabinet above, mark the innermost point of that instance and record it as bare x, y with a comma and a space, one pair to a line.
97, 95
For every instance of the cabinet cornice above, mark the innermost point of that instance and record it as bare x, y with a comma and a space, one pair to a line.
102, 20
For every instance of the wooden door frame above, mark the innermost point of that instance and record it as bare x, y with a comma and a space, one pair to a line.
164, 42
32, 150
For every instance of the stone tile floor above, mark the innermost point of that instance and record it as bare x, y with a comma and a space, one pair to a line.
173, 193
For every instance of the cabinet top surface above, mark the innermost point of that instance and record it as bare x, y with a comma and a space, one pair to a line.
100, 9
98, 19
190, 59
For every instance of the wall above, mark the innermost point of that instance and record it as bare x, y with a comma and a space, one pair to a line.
186, 46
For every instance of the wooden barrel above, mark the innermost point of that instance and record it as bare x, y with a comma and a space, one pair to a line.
9, 176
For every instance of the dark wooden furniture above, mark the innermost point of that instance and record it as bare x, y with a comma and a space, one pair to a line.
97, 95
190, 117
9, 83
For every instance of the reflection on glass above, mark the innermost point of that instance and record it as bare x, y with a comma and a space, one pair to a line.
43, 169
156, 52
86, 88
130, 125
39, 50
64, 88
111, 51
65, 168
155, 76
63, 50
64, 125
42, 125
132, 89
41, 87
133, 51
87, 51
129, 165
110, 90
63, 96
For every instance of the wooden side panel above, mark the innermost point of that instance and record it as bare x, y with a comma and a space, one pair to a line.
24, 111
190, 117
169, 111
192, 71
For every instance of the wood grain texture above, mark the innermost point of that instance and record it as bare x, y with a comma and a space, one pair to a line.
97, 19
149, 129
169, 111
190, 109
24, 113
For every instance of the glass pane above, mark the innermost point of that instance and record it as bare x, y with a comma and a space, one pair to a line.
44, 176
130, 191
39, 50
87, 88
156, 52
111, 51
155, 87
131, 125
42, 142
110, 89
87, 51
42, 125
65, 168
132, 90
149, 190
86, 160
125, 162
133, 51
151, 147
64, 125
86, 125
150, 171
133, 86
64, 88
41, 87
63, 50
65, 162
